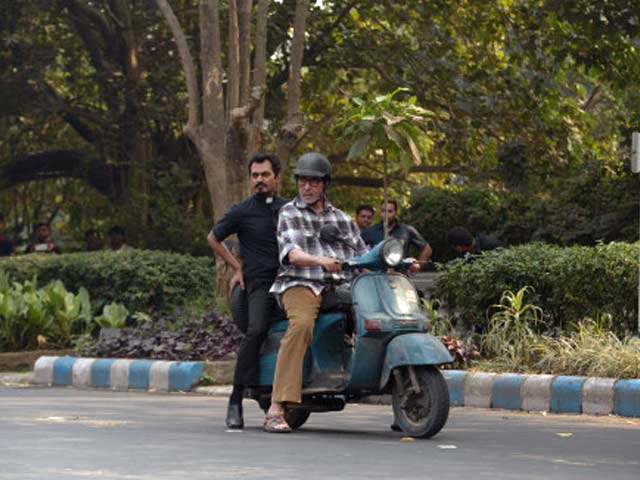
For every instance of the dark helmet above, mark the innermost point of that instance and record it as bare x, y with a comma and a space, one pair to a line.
313, 165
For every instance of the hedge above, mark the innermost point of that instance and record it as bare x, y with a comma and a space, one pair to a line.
143, 280
569, 283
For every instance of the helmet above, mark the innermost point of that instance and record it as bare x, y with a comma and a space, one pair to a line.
313, 165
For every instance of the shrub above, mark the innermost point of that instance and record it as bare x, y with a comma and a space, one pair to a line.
568, 283
210, 337
142, 280
29, 315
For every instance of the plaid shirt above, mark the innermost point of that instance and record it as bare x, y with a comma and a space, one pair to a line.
299, 227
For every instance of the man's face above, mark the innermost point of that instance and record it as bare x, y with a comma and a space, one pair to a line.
116, 241
42, 233
263, 180
390, 208
364, 218
310, 189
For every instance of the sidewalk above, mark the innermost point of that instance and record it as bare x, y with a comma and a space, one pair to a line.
546, 393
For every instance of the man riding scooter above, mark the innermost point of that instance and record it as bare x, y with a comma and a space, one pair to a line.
307, 264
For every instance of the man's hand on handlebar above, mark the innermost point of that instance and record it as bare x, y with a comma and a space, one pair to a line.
329, 265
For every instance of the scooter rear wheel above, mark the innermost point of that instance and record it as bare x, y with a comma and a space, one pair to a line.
296, 417
421, 414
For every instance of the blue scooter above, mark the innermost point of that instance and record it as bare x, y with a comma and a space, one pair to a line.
369, 340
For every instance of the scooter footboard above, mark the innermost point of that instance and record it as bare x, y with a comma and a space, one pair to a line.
413, 349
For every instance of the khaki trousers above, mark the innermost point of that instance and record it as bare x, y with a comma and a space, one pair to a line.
302, 306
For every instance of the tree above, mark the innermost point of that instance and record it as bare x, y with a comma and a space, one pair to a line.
394, 129
226, 107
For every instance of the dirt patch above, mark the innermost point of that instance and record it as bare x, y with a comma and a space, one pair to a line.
23, 361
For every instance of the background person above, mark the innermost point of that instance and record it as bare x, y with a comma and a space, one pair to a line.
254, 221
462, 241
6, 245
117, 238
42, 242
407, 234
93, 240
364, 216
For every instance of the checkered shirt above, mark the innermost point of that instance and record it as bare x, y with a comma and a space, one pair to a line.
299, 227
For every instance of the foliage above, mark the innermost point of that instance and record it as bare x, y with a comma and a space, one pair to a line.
592, 350
511, 331
113, 315
30, 315
209, 337
142, 280
462, 351
567, 283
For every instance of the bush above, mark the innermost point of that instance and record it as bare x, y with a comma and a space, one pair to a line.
210, 337
568, 283
142, 280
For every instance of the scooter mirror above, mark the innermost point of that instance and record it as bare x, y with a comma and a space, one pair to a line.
331, 234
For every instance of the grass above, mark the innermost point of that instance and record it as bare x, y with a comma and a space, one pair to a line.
588, 348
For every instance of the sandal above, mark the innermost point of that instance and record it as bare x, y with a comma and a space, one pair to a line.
276, 424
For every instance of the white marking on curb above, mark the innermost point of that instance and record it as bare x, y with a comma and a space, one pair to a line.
120, 374
43, 371
478, 387
81, 372
597, 396
536, 392
159, 375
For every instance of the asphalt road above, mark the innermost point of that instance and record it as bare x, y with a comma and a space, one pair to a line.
68, 434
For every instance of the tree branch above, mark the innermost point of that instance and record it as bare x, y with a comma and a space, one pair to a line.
211, 61
187, 63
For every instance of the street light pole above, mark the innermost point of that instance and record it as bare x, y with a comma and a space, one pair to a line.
635, 168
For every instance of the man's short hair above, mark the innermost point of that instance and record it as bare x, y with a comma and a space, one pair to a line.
117, 230
459, 236
392, 201
266, 157
40, 224
365, 207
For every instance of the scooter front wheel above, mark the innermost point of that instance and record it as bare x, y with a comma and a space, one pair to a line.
421, 404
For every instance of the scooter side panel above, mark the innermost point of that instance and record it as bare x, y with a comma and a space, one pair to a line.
413, 349
325, 358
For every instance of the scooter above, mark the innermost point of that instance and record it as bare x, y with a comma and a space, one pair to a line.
369, 340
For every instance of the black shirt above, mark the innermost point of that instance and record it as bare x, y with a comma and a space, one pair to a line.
255, 222
407, 235
484, 243
6, 247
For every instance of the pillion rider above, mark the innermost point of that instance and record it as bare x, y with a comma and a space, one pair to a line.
254, 221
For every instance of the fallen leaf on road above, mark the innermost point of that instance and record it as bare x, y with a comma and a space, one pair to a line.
407, 439
564, 435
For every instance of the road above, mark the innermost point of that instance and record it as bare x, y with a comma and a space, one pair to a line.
69, 434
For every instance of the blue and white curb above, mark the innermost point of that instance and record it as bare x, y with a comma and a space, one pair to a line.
547, 393
117, 374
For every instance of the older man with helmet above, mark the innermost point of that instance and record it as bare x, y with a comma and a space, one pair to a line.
307, 266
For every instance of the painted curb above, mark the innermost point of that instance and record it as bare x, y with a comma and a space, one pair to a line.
554, 393
117, 374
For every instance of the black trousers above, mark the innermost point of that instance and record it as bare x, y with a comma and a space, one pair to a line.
262, 309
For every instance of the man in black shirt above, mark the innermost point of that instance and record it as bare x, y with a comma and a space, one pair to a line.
407, 235
255, 221
6, 245
462, 242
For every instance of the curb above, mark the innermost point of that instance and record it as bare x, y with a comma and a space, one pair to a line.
509, 391
117, 374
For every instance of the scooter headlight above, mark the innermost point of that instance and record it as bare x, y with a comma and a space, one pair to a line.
392, 252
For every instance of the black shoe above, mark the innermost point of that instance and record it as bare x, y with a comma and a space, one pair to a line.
234, 416
395, 427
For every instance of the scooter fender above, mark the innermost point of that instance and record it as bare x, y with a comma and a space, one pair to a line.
413, 349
